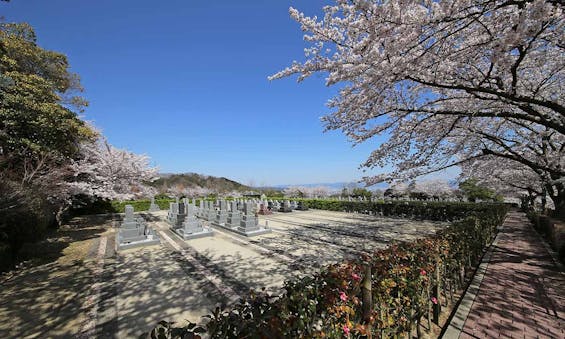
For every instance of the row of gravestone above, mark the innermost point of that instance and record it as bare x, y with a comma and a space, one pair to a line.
263, 206
239, 216
185, 218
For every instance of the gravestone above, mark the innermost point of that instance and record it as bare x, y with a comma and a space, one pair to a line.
134, 232
234, 216
211, 212
302, 206
285, 207
222, 214
203, 210
192, 228
173, 210
153, 207
293, 204
249, 221
176, 214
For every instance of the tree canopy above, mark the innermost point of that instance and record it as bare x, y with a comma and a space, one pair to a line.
447, 82
474, 191
39, 104
50, 159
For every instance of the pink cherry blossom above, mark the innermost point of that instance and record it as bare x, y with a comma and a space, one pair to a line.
434, 300
343, 296
356, 277
346, 330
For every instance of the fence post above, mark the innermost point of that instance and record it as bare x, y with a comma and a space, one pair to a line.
437, 293
367, 297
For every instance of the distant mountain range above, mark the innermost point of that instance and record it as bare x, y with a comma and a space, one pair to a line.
183, 181
336, 186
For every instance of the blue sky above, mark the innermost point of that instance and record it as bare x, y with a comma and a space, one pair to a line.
185, 82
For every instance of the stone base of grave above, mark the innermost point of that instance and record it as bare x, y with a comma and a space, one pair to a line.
206, 232
251, 233
176, 220
221, 218
138, 241
211, 215
285, 209
154, 208
265, 212
259, 230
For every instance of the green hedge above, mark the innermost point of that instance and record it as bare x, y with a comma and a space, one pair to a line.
426, 210
432, 210
552, 229
115, 206
140, 205
409, 284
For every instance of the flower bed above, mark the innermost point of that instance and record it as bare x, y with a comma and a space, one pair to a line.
387, 293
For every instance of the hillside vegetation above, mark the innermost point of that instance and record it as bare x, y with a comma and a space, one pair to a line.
193, 181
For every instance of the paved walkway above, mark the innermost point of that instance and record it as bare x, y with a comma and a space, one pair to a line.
522, 292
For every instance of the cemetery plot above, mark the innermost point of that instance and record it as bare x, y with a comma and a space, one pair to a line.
130, 290
304, 234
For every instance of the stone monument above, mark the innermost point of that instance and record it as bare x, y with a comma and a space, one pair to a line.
192, 228
134, 232
222, 213
210, 212
176, 214
285, 207
153, 207
302, 206
234, 216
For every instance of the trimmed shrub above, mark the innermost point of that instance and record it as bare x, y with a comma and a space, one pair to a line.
551, 229
425, 210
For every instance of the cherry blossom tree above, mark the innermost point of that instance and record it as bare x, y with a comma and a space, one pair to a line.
294, 192
437, 188
106, 172
509, 178
319, 191
447, 81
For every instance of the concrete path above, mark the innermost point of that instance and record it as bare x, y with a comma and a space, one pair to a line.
522, 292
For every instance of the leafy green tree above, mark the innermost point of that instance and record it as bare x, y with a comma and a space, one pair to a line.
40, 135
39, 105
362, 192
473, 191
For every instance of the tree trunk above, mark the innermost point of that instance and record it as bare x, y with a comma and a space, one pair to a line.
367, 296
559, 202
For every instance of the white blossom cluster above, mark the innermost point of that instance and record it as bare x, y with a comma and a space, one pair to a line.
104, 171
307, 192
446, 82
